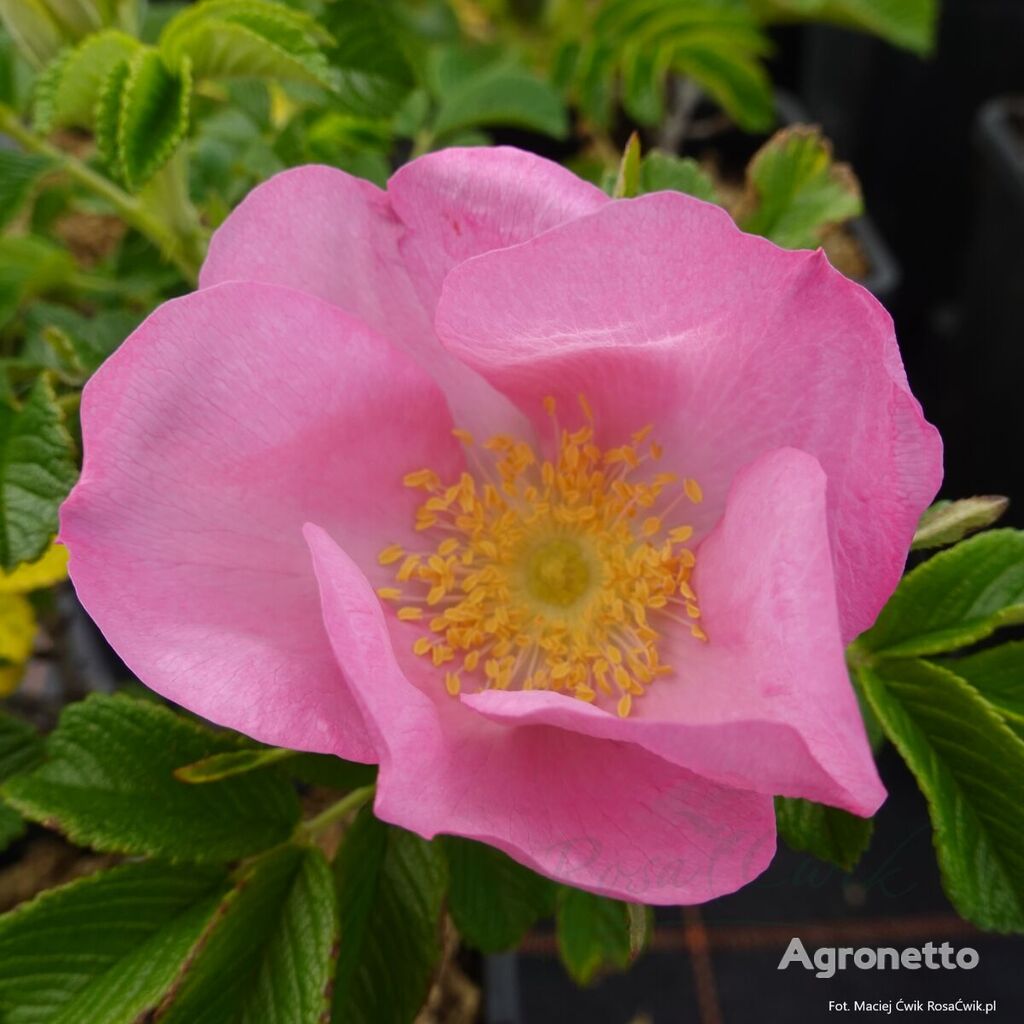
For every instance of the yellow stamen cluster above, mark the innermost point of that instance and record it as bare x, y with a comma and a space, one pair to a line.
549, 574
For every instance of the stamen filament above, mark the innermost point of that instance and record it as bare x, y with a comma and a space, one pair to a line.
549, 574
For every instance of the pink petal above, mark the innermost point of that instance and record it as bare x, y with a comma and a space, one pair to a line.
661, 311
458, 203
382, 256
601, 815
322, 231
767, 703
228, 419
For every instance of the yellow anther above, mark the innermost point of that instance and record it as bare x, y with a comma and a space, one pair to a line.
425, 478
390, 554
559, 574
693, 490
407, 567
440, 653
462, 435
651, 526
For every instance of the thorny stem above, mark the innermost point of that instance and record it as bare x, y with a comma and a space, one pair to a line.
128, 207
348, 803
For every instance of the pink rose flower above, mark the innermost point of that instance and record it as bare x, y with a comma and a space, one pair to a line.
561, 509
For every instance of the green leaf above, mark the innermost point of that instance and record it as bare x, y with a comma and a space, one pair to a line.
371, 55
75, 17
492, 899
331, 772
246, 39
826, 832
12, 826
33, 28
232, 763
90, 339
268, 959
390, 885
969, 766
946, 522
152, 117
109, 784
908, 23
108, 116
593, 934
37, 470
448, 68
795, 191
69, 89
957, 597
126, 14
503, 96
643, 85
661, 172
19, 173
21, 748
627, 181
998, 675
717, 43
106, 948
738, 83
29, 266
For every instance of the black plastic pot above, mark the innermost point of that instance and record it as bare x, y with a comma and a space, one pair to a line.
905, 124
990, 342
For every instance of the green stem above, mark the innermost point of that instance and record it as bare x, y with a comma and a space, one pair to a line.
348, 803
128, 207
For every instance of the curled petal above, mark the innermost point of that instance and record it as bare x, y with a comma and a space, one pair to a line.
766, 703
659, 310
382, 255
226, 420
599, 814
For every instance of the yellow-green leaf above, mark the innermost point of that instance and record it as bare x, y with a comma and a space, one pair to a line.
795, 190
17, 633
45, 571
